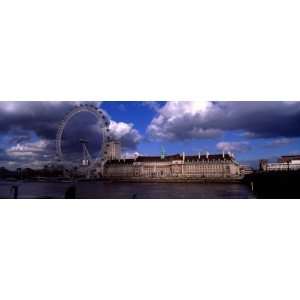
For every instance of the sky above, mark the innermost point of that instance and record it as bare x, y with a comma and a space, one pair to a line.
250, 130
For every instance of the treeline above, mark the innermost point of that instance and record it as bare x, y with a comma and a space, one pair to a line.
28, 173
4, 173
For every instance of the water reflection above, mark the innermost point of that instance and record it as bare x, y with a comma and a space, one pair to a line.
122, 190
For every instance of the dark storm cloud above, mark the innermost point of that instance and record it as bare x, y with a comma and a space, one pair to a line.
189, 120
19, 136
261, 119
3, 155
81, 127
30, 129
37, 116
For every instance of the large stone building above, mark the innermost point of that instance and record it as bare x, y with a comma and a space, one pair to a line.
174, 167
284, 163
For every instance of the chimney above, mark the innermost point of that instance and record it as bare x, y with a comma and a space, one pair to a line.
199, 155
223, 154
183, 156
207, 154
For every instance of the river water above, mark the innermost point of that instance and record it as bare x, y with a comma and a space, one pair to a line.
124, 190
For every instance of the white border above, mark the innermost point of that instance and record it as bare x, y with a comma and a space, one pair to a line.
149, 50
163, 50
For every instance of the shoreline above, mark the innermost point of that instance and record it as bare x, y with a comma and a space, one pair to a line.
174, 180
132, 180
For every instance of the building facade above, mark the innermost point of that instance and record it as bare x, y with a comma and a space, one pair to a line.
284, 163
113, 150
246, 170
174, 166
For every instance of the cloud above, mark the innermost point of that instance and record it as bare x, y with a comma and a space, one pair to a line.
28, 149
182, 121
3, 155
196, 120
236, 147
30, 129
40, 117
28, 154
279, 142
126, 134
154, 105
133, 154
89, 130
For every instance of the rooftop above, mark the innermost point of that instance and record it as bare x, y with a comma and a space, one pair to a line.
210, 157
288, 158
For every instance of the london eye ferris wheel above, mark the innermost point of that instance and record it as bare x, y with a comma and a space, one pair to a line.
103, 123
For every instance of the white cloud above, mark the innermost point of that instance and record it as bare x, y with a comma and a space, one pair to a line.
126, 134
183, 120
133, 154
28, 149
279, 142
198, 119
233, 146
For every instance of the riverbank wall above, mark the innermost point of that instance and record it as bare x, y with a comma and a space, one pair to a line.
174, 179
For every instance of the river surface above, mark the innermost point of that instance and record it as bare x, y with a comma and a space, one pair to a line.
124, 190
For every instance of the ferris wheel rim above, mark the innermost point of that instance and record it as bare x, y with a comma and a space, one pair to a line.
100, 115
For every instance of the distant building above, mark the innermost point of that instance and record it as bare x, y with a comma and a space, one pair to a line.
174, 166
284, 163
246, 169
263, 164
113, 150
294, 159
